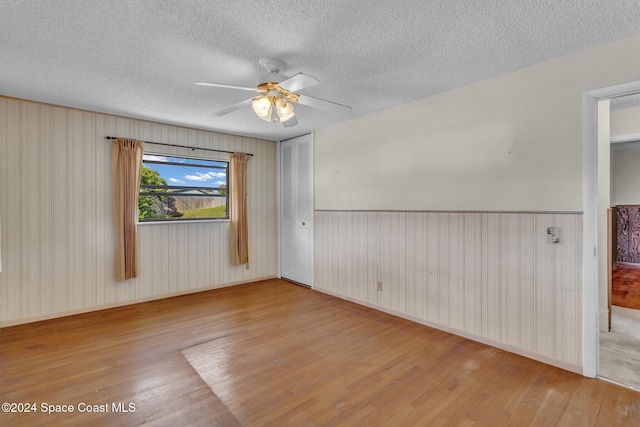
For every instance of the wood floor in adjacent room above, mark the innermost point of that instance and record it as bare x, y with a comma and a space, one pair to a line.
274, 353
625, 286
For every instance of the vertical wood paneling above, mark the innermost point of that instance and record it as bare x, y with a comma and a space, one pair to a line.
443, 268
350, 269
392, 269
435, 274
510, 255
545, 299
357, 270
13, 221
4, 165
322, 219
60, 226
90, 178
471, 286
337, 257
57, 219
569, 280
492, 282
529, 238
30, 205
488, 275
371, 253
414, 261
348, 242
455, 267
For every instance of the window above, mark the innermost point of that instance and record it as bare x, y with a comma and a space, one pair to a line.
179, 188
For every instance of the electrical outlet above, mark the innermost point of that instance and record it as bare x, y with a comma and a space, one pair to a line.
379, 286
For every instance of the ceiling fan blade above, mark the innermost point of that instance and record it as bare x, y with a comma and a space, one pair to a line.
298, 82
291, 122
233, 108
321, 104
250, 89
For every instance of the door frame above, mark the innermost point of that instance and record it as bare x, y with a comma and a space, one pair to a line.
594, 205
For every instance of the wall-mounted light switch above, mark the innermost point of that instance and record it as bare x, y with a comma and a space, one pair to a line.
553, 235
379, 286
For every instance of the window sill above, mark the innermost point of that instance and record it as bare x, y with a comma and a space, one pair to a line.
191, 221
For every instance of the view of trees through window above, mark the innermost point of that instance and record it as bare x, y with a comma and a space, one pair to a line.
181, 188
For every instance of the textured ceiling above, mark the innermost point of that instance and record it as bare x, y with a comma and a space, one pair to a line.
141, 58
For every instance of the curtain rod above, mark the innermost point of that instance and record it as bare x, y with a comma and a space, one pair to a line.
183, 146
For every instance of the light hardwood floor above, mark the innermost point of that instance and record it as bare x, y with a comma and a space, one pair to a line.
274, 353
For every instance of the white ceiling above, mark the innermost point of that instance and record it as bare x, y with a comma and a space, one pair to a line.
141, 58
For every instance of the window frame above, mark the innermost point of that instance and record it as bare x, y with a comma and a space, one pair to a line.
187, 158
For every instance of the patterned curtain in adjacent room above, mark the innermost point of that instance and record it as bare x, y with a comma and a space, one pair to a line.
127, 167
239, 232
628, 234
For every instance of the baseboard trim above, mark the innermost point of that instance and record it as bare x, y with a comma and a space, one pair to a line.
617, 383
628, 264
128, 302
530, 355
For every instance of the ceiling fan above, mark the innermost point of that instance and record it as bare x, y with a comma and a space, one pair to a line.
276, 99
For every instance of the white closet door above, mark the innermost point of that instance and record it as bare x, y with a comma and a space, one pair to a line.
296, 223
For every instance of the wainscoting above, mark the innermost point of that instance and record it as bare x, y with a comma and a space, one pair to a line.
491, 277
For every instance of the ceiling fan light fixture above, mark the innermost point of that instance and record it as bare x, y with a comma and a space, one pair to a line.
262, 107
284, 109
275, 97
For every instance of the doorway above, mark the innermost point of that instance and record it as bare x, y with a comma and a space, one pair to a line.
296, 213
620, 344
596, 201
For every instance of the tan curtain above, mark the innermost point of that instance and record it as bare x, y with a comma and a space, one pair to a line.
238, 209
127, 166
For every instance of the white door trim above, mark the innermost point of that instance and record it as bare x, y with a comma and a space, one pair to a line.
592, 250
313, 207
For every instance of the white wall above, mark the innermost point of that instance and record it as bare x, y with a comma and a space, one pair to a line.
625, 160
626, 176
509, 143
57, 220
512, 143
625, 121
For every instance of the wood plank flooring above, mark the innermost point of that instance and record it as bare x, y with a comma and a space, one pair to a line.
625, 286
275, 353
